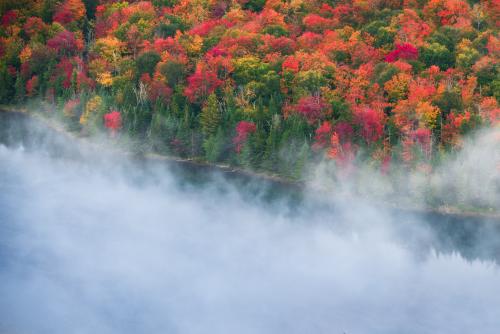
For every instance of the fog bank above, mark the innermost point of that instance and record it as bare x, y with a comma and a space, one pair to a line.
95, 244
468, 178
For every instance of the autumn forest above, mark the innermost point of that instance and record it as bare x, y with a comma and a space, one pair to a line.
266, 85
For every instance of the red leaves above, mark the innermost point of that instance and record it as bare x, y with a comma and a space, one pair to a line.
113, 121
219, 61
33, 26
65, 69
370, 123
312, 108
201, 84
11, 70
157, 91
291, 64
309, 40
344, 154
344, 131
423, 137
70, 107
402, 51
322, 135
283, 45
65, 43
337, 140
167, 44
204, 28
70, 11
8, 18
314, 22
31, 85
243, 129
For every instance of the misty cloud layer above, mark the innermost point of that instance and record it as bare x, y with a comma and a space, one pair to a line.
468, 178
102, 246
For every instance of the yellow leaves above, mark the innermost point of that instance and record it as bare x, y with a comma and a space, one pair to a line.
314, 61
93, 105
192, 44
25, 54
397, 87
236, 14
193, 11
55, 28
109, 48
105, 79
427, 113
466, 54
296, 4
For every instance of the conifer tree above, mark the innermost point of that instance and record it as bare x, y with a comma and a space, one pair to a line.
210, 117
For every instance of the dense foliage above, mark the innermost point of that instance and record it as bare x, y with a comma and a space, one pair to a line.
269, 85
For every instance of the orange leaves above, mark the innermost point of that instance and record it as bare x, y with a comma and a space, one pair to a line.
335, 146
449, 12
271, 17
452, 129
468, 90
343, 153
490, 110
290, 64
25, 54
421, 90
322, 61
410, 28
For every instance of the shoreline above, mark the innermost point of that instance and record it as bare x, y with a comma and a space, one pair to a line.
232, 170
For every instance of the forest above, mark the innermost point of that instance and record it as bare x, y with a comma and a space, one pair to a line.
270, 85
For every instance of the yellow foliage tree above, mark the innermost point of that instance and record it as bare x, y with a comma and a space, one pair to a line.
397, 87
110, 48
427, 113
91, 107
105, 79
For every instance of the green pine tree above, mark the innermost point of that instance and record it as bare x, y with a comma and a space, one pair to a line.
214, 145
210, 117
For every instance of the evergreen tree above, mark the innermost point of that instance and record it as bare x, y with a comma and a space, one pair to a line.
214, 146
301, 161
20, 87
210, 117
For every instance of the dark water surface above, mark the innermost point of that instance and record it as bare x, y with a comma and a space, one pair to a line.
92, 242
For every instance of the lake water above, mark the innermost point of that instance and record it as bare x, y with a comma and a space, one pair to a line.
93, 242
